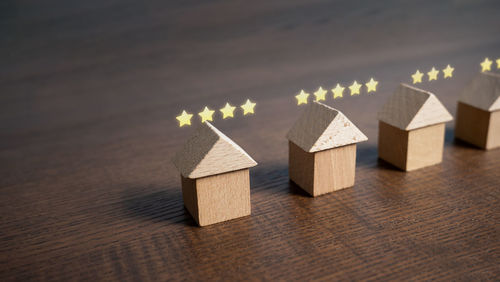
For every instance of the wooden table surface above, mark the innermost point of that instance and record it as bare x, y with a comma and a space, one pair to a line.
89, 92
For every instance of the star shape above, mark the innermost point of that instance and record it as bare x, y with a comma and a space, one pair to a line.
184, 119
338, 91
448, 71
433, 74
248, 107
371, 85
486, 65
227, 111
355, 88
320, 94
206, 115
417, 77
302, 97
498, 64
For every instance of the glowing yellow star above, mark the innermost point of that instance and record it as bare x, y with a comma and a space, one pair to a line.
338, 91
448, 71
433, 74
371, 85
320, 94
248, 107
486, 65
302, 97
206, 115
355, 88
498, 64
227, 111
184, 119
417, 77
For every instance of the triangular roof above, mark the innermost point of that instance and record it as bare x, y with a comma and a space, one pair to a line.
483, 92
411, 108
210, 152
321, 127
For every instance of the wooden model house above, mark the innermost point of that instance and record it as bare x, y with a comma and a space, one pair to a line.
478, 112
411, 129
215, 176
322, 150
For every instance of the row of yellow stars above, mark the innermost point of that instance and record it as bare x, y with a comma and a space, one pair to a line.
338, 91
433, 74
486, 65
207, 115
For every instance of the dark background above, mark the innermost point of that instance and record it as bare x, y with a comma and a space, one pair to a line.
89, 92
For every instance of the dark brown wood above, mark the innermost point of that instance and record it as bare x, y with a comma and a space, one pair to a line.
89, 91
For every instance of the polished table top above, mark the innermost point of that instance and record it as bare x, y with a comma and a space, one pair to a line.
89, 93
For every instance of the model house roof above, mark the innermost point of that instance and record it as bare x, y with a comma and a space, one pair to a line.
321, 127
411, 108
483, 92
210, 152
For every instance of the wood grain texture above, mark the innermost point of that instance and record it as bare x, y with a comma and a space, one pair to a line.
209, 152
425, 146
301, 167
411, 149
89, 95
483, 92
334, 169
321, 127
478, 127
322, 172
494, 131
217, 198
392, 145
412, 108
190, 197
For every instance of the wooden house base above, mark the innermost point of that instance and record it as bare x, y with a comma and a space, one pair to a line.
478, 127
324, 171
411, 149
217, 198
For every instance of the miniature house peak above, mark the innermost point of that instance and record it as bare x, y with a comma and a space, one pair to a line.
209, 152
321, 127
483, 92
411, 108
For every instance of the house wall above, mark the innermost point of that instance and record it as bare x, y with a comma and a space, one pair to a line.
393, 145
221, 197
425, 146
494, 131
410, 150
301, 167
324, 171
189, 196
472, 125
334, 169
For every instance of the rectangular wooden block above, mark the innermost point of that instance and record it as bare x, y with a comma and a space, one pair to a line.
301, 167
392, 144
494, 131
324, 171
410, 150
217, 198
478, 127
